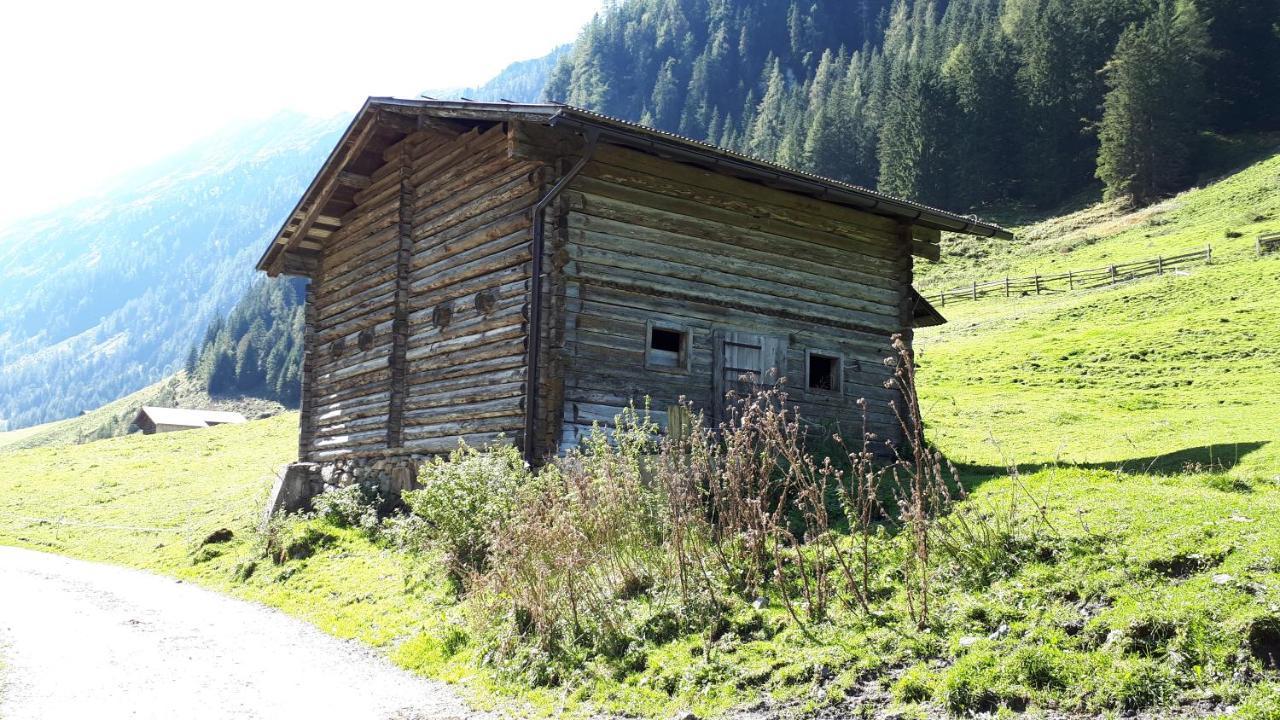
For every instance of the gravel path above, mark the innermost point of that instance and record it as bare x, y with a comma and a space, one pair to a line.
81, 639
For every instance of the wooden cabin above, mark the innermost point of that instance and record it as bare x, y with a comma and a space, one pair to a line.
151, 420
665, 268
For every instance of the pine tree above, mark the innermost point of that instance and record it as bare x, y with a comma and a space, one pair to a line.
222, 372
193, 359
769, 126
665, 100
1154, 102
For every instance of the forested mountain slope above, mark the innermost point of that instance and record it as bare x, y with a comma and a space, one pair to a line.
962, 103
106, 296
521, 81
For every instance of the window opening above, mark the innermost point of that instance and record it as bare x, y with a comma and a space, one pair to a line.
823, 372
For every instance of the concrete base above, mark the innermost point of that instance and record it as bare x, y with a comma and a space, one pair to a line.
295, 485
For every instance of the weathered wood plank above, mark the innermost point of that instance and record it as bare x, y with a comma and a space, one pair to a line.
620, 218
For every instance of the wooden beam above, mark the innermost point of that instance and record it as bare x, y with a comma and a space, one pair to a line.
397, 121
400, 307
312, 213
354, 180
926, 234
299, 263
928, 251
440, 125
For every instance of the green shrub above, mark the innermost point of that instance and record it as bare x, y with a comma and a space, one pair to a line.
463, 499
351, 506
408, 532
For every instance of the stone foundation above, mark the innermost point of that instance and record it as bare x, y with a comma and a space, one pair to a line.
300, 482
389, 475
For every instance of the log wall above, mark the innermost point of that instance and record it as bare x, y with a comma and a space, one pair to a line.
756, 277
418, 309
469, 289
353, 297
424, 289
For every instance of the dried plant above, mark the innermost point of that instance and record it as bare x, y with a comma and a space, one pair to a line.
744, 508
858, 488
925, 485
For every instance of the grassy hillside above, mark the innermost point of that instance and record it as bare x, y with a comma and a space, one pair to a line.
1161, 372
1227, 214
1139, 577
116, 417
1172, 370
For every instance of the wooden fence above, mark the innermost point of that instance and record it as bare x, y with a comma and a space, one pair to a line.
1010, 287
1268, 243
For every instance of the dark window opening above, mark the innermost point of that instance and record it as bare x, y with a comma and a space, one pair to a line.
668, 349
823, 372
666, 340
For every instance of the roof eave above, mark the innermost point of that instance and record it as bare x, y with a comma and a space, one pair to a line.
279, 243
627, 133
826, 188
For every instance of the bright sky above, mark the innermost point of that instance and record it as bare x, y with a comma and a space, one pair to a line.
92, 88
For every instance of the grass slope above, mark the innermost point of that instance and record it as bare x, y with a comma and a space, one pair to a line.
116, 418
1145, 423
1227, 214
1173, 370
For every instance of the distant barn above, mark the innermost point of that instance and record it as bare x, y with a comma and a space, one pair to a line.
152, 420
666, 268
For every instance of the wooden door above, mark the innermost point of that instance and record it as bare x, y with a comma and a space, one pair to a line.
743, 360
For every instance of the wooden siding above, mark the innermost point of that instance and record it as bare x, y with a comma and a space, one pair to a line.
426, 286
469, 289
352, 292
738, 266
432, 265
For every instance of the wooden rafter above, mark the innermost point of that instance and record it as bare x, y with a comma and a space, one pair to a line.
310, 215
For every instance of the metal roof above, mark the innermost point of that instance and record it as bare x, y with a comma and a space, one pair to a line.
187, 418
617, 131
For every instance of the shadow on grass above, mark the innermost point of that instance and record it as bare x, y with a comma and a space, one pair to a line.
1204, 459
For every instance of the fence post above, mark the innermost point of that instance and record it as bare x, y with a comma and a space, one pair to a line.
1071, 281
1159, 265
1113, 274
1208, 254
975, 289
1006, 286
942, 298
1037, 283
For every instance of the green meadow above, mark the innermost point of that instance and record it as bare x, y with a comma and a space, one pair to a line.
1128, 438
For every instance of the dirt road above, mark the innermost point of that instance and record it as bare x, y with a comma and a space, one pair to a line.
80, 640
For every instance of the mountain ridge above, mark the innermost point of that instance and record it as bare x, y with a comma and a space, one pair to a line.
106, 294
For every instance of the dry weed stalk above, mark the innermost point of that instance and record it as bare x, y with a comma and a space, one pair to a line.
741, 508
922, 482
